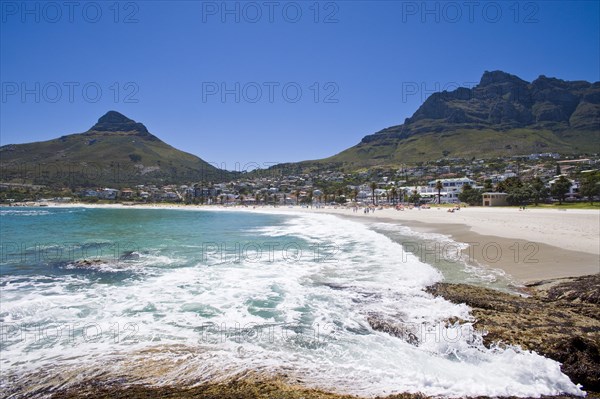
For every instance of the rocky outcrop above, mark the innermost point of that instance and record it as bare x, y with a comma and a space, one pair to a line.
561, 322
395, 328
114, 121
510, 101
502, 101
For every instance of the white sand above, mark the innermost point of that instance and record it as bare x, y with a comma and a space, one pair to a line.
575, 230
551, 244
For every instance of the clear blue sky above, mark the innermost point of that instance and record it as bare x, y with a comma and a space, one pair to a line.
373, 64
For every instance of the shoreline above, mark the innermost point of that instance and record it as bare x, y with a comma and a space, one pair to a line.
531, 246
528, 256
498, 313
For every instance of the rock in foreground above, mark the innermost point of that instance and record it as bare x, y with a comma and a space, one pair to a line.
561, 322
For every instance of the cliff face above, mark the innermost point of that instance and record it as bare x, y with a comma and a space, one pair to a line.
503, 115
501, 102
113, 121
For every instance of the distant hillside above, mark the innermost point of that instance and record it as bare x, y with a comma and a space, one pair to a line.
502, 116
116, 152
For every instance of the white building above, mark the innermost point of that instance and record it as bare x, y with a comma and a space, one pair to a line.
450, 189
449, 193
573, 190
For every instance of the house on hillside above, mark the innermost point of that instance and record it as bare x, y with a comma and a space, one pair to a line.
108, 193
126, 193
573, 190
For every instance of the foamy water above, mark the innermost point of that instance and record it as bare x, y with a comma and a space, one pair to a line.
207, 295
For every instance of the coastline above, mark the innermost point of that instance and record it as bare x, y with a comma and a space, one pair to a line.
563, 336
531, 246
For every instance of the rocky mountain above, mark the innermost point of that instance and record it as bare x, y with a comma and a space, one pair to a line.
115, 152
502, 115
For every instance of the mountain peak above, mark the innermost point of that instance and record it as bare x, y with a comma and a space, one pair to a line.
495, 77
114, 121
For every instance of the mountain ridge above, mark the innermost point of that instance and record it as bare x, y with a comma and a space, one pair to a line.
512, 115
116, 151
503, 115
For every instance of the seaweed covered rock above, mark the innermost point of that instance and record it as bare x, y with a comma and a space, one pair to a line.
560, 322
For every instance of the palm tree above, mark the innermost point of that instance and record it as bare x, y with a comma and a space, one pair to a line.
325, 196
297, 192
309, 198
373, 187
439, 186
394, 195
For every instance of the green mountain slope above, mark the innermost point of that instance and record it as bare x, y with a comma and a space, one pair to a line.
502, 116
116, 151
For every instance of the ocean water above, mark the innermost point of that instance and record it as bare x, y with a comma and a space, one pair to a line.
181, 297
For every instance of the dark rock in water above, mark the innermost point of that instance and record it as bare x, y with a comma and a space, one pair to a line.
85, 263
130, 255
561, 322
394, 327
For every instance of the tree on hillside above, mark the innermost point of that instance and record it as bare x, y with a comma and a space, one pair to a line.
519, 195
509, 184
439, 186
470, 195
487, 185
558, 172
538, 190
590, 186
560, 188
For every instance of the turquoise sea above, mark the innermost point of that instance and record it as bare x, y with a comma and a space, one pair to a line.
178, 296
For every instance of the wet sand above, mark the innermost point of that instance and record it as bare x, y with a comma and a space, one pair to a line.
531, 246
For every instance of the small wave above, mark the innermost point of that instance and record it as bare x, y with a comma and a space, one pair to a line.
104, 266
23, 212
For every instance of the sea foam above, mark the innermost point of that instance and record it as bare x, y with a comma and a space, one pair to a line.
304, 307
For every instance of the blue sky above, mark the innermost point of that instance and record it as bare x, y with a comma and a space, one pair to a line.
243, 83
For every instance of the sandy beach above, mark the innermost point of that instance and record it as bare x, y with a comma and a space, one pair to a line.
534, 245
531, 245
